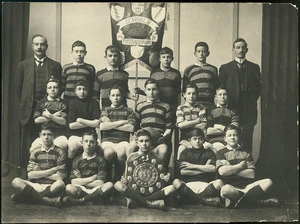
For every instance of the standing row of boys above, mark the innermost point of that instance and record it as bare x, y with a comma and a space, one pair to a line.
212, 167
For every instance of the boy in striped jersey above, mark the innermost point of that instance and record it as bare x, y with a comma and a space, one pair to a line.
46, 171
88, 176
204, 75
155, 116
116, 124
110, 76
77, 70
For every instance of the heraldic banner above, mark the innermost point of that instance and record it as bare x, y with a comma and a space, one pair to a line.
137, 30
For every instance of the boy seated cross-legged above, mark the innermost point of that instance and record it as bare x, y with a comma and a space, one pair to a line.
88, 175
116, 124
46, 171
144, 181
235, 166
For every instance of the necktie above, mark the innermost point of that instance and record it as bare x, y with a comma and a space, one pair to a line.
39, 63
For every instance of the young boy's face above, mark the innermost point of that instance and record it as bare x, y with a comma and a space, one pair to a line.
81, 91
52, 89
79, 53
201, 53
144, 143
47, 137
190, 95
152, 92
89, 144
165, 60
112, 58
231, 138
197, 142
240, 50
115, 97
222, 97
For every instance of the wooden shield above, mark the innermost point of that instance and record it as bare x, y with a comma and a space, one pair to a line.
145, 174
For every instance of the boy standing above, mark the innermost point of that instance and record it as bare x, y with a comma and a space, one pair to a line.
146, 180
88, 174
219, 117
46, 170
155, 116
235, 167
110, 76
53, 111
197, 172
204, 75
77, 70
84, 114
116, 124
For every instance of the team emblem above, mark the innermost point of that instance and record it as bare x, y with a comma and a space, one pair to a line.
138, 8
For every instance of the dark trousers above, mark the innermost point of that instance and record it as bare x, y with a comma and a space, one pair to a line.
247, 137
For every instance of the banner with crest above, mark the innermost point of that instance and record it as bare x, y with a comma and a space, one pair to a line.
137, 30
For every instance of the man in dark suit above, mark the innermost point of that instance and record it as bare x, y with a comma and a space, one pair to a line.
32, 76
243, 81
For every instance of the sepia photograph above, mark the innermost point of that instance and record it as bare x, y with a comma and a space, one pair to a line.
149, 112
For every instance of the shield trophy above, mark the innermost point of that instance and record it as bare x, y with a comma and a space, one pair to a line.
145, 174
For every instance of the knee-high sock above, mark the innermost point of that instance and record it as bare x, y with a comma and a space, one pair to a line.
256, 193
156, 196
119, 169
133, 195
94, 195
209, 191
188, 193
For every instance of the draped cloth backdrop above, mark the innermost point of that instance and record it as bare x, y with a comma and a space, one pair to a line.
278, 154
15, 23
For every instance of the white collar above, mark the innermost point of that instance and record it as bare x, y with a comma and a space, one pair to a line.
201, 65
240, 60
230, 148
87, 157
37, 59
78, 64
157, 101
52, 100
113, 106
165, 70
218, 105
47, 150
109, 68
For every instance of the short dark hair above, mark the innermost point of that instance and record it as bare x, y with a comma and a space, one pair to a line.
202, 44
78, 43
91, 133
143, 132
82, 82
117, 87
222, 87
239, 40
194, 86
113, 49
232, 127
151, 81
39, 35
196, 132
54, 80
47, 126
166, 50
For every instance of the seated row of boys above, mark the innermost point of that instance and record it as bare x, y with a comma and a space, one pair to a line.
226, 179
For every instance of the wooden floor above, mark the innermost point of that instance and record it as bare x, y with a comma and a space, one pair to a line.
21, 213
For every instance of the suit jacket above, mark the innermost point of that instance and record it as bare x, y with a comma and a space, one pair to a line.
229, 77
25, 84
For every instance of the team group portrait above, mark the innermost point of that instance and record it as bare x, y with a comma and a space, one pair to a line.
149, 112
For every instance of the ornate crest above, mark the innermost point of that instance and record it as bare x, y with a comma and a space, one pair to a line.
138, 8
145, 174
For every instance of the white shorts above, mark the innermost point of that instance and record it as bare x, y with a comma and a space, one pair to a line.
197, 186
87, 190
38, 187
115, 146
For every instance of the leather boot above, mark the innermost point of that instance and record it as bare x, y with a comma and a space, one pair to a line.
52, 201
157, 204
69, 201
269, 202
211, 201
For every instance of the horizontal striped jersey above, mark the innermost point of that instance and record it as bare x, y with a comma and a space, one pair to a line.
169, 84
105, 79
72, 73
116, 114
47, 159
206, 79
222, 115
186, 113
155, 115
89, 167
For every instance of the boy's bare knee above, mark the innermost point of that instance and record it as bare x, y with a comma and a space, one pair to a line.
16, 182
119, 186
177, 183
